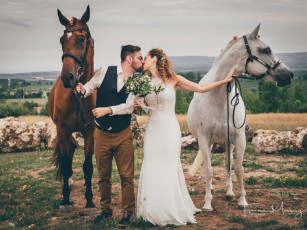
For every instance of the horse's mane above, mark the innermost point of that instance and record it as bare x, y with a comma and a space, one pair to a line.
228, 47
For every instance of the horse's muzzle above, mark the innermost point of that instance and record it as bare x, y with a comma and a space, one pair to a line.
68, 80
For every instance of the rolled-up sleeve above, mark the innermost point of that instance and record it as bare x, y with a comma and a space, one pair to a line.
95, 81
124, 108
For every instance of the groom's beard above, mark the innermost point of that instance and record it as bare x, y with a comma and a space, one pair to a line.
139, 69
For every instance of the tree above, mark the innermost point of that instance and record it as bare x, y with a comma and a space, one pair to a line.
268, 95
20, 93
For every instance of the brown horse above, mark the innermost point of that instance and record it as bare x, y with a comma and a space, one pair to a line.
78, 59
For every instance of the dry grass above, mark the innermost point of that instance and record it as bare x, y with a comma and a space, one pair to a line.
276, 121
29, 120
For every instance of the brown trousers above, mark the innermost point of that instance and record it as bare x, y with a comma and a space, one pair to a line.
120, 146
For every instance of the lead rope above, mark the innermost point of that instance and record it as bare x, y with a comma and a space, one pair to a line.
79, 104
234, 102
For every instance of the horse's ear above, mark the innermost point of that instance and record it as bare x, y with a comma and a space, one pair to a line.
254, 34
86, 15
64, 21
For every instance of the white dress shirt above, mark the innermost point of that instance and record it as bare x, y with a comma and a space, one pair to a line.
96, 81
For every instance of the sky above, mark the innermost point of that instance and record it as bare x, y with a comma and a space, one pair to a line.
31, 31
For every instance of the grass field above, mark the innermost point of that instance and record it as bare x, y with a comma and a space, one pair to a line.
30, 196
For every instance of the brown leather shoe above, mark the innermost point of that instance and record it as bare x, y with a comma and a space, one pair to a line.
103, 216
125, 221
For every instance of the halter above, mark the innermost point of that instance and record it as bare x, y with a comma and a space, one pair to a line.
251, 58
80, 71
81, 62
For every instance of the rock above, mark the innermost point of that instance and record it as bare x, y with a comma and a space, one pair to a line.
79, 140
184, 134
269, 141
15, 135
249, 133
138, 135
50, 136
219, 148
189, 142
298, 138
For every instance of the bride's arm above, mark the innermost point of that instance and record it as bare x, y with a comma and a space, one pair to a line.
194, 87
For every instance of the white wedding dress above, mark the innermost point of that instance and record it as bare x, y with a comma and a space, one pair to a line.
163, 197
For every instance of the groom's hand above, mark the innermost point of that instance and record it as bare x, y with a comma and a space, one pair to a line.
101, 111
136, 105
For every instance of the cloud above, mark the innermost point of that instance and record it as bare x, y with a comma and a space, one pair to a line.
16, 22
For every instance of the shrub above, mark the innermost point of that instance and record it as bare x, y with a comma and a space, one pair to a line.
12, 109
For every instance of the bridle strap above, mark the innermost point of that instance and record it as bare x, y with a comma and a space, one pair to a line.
77, 59
251, 58
249, 52
81, 62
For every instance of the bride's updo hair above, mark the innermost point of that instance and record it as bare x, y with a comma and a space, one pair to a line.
164, 65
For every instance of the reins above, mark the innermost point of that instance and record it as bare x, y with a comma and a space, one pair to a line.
235, 100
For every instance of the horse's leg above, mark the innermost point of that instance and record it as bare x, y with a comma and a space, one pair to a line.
208, 172
229, 193
240, 148
64, 160
88, 166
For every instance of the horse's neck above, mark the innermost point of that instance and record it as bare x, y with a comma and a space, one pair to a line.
233, 56
88, 72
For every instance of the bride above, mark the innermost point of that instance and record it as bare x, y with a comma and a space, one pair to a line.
163, 197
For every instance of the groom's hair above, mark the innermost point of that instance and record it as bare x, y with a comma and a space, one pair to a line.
127, 50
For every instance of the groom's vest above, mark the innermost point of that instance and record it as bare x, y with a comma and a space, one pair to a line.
107, 95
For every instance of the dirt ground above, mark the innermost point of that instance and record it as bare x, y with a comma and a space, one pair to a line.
226, 214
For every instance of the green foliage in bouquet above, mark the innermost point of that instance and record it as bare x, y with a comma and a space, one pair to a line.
140, 85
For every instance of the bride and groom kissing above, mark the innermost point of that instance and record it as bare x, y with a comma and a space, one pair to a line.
162, 197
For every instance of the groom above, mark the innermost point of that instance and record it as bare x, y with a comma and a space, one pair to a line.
113, 135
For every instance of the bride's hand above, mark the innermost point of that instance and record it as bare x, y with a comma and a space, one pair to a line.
230, 76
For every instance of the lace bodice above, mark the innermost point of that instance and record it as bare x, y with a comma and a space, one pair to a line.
164, 102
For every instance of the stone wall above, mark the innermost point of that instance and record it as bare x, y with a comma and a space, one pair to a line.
16, 136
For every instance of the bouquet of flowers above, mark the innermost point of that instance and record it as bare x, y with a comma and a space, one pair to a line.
140, 85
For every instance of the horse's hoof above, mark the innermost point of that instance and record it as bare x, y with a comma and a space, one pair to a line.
70, 184
207, 208
230, 197
90, 205
65, 208
243, 207
89, 212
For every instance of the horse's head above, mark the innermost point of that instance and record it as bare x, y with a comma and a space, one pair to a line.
76, 48
263, 63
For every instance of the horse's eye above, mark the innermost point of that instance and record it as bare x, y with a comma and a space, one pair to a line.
267, 50
82, 39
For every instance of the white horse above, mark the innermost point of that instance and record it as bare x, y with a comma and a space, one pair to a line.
207, 114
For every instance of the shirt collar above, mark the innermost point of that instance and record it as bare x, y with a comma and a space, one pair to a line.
120, 70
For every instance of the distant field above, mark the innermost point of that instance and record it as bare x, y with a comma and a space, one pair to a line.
40, 101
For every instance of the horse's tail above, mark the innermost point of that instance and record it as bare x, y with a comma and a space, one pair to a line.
56, 160
196, 164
